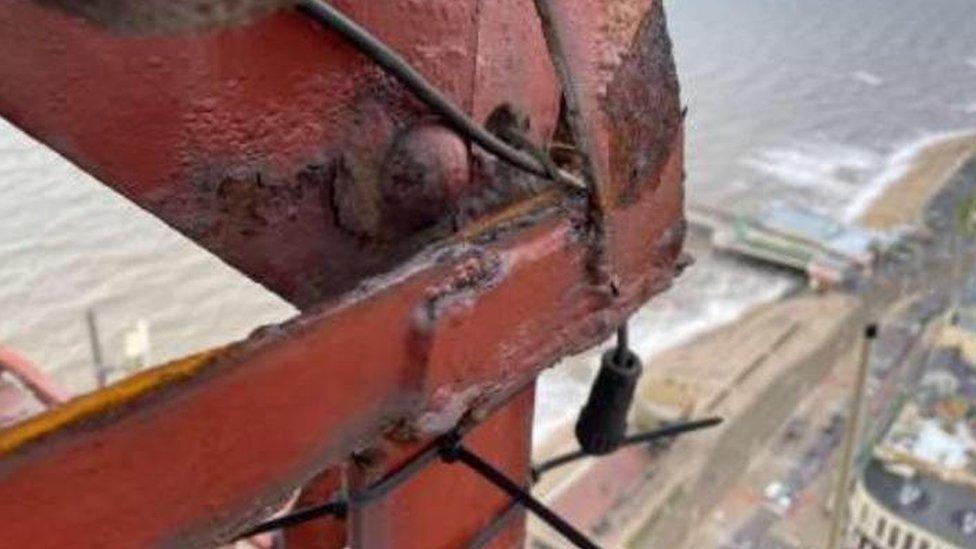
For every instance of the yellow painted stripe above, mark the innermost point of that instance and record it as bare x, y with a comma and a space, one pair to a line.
110, 398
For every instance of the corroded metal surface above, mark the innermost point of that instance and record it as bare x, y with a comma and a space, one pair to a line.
158, 16
447, 334
254, 139
435, 282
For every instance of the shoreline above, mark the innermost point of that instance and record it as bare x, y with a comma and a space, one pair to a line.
914, 171
747, 371
930, 164
928, 169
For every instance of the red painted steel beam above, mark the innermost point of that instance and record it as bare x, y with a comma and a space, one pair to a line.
466, 315
448, 505
188, 454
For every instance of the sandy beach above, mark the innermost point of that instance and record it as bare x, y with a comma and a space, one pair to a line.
904, 198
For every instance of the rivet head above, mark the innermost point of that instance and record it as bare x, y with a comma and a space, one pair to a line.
426, 172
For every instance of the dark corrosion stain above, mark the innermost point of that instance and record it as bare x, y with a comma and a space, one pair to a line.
475, 271
353, 201
242, 202
669, 244
392, 182
643, 107
478, 271
256, 202
498, 184
160, 16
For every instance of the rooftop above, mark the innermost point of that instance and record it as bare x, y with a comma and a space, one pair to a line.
924, 467
945, 509
935, 428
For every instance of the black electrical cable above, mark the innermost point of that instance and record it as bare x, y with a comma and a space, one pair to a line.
340, 507
384, 486
457, 452
623, 343
337, 508
639, 438
449, 449
394, 64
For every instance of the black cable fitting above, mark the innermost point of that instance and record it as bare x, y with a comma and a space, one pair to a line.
449, 449
602, 422
339, 508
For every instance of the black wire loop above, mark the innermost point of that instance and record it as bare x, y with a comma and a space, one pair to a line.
395, 65
650, 436
449, 449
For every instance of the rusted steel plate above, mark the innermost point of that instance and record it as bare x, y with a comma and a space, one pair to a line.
614, 58
449, 505
186, 454
273, 143
158, 16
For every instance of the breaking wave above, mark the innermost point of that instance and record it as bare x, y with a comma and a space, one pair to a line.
895, 166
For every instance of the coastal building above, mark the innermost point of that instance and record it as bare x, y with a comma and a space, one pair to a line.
831, 253
915, 511
822, 233
960, 330
918, 488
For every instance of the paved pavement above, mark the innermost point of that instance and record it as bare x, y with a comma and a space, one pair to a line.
800, 459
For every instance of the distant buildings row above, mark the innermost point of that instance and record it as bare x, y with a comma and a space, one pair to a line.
918, 489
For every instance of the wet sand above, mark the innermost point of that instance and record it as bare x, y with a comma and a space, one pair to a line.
904, 199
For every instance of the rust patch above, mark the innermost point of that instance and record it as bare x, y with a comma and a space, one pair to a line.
643, 107
668, 246
477, 272
255, 202
623, 20
161, 16
244, 203
355, 203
